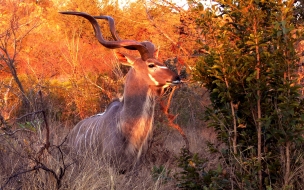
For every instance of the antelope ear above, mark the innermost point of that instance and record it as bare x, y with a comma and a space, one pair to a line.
125, 59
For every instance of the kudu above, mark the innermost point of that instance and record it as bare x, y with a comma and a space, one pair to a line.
120, 133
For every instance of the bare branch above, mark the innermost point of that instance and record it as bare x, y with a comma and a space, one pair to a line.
28, 114
16, 175
12, 133
172, 5
165, 34
171, 118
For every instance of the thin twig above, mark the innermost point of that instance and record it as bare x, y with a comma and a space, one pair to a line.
28, 114
171, 118
13, 132
47, 138
16, 175
165, 34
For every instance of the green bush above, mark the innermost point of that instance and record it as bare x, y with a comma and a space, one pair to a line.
195, 176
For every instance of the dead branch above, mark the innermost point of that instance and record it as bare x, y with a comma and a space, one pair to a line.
172, 5
47, 137
6, 129
28, 114
165, 34
40, 165
10, 133
2, 121
171, 118
16, 175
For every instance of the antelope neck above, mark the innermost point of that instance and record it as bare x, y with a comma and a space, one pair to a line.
137, 112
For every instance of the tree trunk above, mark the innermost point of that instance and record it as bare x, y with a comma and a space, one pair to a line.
259, 112
10, 64
287, 164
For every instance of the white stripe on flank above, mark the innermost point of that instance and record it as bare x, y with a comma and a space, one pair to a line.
77, 136
91, 137
85, 136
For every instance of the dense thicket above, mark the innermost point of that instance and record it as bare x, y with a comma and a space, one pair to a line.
251, 70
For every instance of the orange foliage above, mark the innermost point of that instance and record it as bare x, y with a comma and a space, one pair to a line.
61, 56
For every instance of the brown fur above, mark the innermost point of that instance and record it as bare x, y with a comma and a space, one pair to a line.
120, 134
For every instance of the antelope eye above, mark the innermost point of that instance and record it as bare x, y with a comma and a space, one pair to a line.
151, 65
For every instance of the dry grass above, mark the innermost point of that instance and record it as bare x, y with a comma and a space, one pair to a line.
23, 168
18, 161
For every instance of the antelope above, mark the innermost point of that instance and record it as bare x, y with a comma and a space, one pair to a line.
120, 134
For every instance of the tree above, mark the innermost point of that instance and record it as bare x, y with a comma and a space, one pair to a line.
15, 26
250, 69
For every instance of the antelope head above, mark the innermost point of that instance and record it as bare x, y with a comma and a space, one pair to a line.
153, 71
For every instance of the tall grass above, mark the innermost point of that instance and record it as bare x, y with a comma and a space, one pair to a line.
26, 164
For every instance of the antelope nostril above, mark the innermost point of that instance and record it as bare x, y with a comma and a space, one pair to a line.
177, 78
